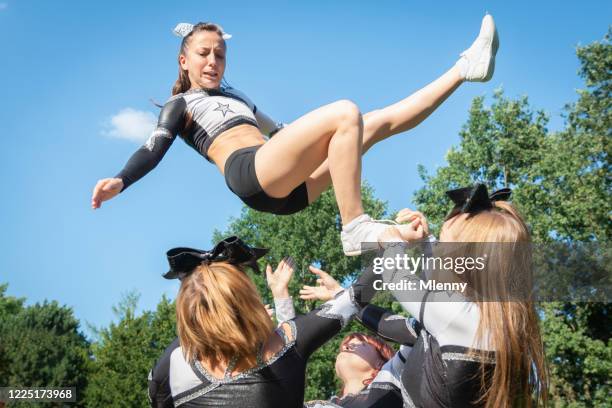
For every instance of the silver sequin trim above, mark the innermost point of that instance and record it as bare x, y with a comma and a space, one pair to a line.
195, 395
158, 132
382, 386
321, 404
467, 357
324, 313
250, 371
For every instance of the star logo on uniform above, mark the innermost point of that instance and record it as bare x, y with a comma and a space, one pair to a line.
223, 108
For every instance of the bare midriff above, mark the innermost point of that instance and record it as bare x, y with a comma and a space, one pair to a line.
231, 140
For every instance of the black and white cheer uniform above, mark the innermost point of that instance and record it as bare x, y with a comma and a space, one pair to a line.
278, 382
442, 368
199, 116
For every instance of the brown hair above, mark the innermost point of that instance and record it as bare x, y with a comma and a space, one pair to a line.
520, 376
183, 83
219, 315
385, 352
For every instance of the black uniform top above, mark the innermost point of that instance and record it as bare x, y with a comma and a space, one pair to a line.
199, 115
278, 382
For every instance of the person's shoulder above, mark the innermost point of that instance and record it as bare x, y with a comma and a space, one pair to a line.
236, 93
228, 89
174, 107
174, 98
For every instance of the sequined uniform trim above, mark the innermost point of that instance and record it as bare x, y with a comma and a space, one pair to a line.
467, 357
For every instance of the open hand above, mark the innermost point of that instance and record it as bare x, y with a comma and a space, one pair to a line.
104, 190
278, 281
327, 287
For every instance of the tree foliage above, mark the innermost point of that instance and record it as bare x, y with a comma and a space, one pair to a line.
125, 353
41, 346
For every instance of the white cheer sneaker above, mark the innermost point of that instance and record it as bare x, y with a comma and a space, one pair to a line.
477, 63
360, 232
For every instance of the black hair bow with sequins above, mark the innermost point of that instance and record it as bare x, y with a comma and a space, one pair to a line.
233, 250
474, 199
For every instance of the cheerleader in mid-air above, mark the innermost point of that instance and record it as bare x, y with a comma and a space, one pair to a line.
284, 174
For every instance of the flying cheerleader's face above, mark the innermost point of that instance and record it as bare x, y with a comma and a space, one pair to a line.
204, 59
356, 357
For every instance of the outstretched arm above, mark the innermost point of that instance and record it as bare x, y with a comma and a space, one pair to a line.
171, 122
327, 288
278, 282
314, 329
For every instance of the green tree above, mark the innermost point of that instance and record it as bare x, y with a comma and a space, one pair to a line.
9, 306
42, 346
579, 184
561, 184
125, 353
499, 146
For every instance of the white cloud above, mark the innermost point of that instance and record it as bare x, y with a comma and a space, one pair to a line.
3, 6
131, 124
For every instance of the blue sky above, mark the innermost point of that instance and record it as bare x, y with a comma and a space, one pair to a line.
68, 68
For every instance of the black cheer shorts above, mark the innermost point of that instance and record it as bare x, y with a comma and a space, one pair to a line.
241, 179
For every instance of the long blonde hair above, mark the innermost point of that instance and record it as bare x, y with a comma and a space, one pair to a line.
219, 315
508, 319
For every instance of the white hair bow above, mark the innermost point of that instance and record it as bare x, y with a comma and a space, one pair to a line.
183, 30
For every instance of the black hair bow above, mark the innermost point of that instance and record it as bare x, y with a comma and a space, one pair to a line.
474, 199
233, 250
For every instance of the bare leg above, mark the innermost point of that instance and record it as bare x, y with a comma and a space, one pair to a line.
332, 133
390, 120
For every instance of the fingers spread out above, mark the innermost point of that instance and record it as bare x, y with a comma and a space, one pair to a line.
285, 265
307, 293
316, 271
